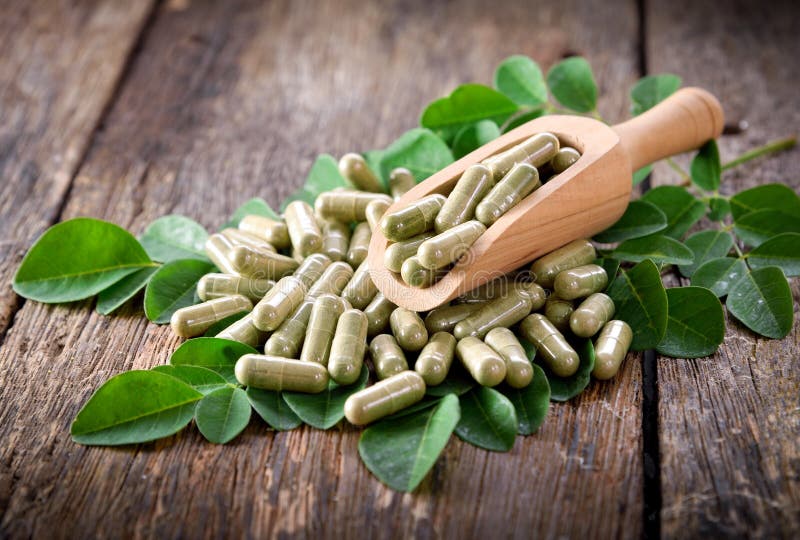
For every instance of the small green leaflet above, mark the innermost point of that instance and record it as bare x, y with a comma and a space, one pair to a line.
641, 301
530, 403
706, 169
649, 91
216, 354
174, 237
273, 409
521, 79
467, 104
471, 137
656, 247
762, 301
718, 208
696, 323
680, 207
172, 288
254, 207
223, 414
640, 219
642, 174
706, 245
418, 150
769, 196
520, 118
323, 176
110, 299
719, 275
759, 226
571, 82
611, 266
782, 251
326, 409
201, 379
488, 419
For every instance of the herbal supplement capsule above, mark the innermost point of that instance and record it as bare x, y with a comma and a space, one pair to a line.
348, 347
375, 211
280, 374
397, 253
274, 232
325, 314
445, 318
486, 366
260, 264
495, 288
416, 218
574, 254
581, 281
401, 180
610, 349
333, 280
435, 359
378, 312
244, 331
387, 356
217, 248
520, 181
278, 303
591, 315
355, 169
241, 238
312, 268
359, 244
335, 240
519, 371
347, 206
192, 321
384, 398
535, 292
360, 290
459, 208
408, 328
287, 339
303, 228
503, 311
447, 247
564, 159
417, 275
216, 285
550, 344
558, 311
535, 151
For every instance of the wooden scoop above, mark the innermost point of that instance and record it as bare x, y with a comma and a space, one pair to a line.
578, 203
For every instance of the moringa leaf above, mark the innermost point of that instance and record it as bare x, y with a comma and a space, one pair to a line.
471, 137
520, 118
719, 275
201, 379
718, 208
123, 290
326, 409
530, 403
706, 169
466, 105
762, 301
706, 245
418, 150
641, 301
521, 79
222, 414
273, 409
566, 388
174, 237
759, 226
782, 251
640, 219
253, 207
649, 91
488, 419
695, 325
640, 175
768, 196
680, 207
323, 176
173, 287
571, 82
656, 247
217, 354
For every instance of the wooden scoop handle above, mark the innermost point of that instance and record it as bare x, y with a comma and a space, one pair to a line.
682, 122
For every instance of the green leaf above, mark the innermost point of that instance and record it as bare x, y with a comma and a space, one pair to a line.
273, 409
640, 175
77, 259
474, 135
696, 323
326, 409
706, 245
718, 208
719, 275
466, 105
123, 290
223, 414
520, 78
323, 176
217, 354
657, 247
782, 251
135, 407
401, 451
254, 207
418, 150
458, 382
769, 196
221, 325
173, 287
302, 194
571, 82
566, 388
680, 207
174, 237
759, 226
201, 379
762, 301
706, 168
520, 118
640, 219
611, 266
488, 419
530, 403
641, 301
651, 90
425, 403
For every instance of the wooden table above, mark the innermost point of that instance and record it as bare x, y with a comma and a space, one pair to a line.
130, 110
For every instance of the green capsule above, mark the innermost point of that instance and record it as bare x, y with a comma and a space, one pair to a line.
550, 344
217, 247
335, 240
274, 232
260, 264
348, 347
460, 205
519, 371
397, 253
535, 292
558, 311
384, 398
535, 151
347, 205
278, 303
494, 288
375, 211
580, 281
378, 312
194, 320
435, 359
333, 280
359, 244
303, 228
416, 218
416, 275
215, 285
520, 181
408, 328
321, 325
360, 290
387, 356
280, 374
574, 254
244, 331
447, 247
401, 180
591, 315
445, 318
610, 349
564, 159
355, 169
241, 238
287, 339
312, 268
503, 311
486, 366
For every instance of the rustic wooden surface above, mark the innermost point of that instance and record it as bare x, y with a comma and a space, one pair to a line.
201, 105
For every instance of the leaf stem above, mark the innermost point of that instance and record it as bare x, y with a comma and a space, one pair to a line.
678, 169
771, 147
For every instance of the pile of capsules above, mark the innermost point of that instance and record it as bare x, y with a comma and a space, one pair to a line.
310, 302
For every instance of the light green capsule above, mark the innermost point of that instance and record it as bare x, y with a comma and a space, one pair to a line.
460, 205
359, 244
591, 315
486, 366
217, 247
287, 339
519, 371
550, 344
333, 280
194, 320
244, 331
355, 169
387, 356
303, 228
435, 359
580, 281
348, 347
260, 264
536, 151
521, 180
610, 349
347, 205
384, 398
216, 285
312, 268
360, 290
416, 275
416, 218
401, 180
447, 247
564, 159
397, 253
558, 311
577, 253
378, 312
503, 311
535, 292
408, 328
321, 325
375, 211
280, 374
241, 238
278, 303
445, 318
494, 288
335, 240
274, 232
